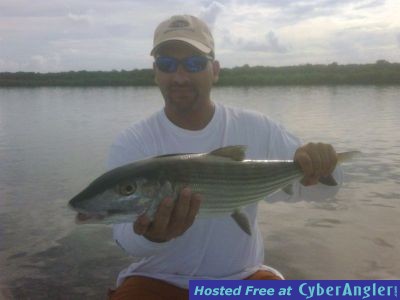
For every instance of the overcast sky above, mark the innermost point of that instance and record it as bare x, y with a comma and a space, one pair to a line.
63, 35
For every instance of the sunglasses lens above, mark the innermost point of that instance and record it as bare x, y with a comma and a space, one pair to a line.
191, 64
166, 64
195, 63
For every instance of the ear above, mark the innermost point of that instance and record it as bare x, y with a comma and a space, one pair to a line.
216, 68
155, 73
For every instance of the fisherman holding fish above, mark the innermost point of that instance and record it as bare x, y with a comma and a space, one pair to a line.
174, 245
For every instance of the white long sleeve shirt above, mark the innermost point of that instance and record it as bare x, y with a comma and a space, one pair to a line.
213, 247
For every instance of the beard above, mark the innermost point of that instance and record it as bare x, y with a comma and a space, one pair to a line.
181, 98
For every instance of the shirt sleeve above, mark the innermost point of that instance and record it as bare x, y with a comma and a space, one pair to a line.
283, 145
127, 148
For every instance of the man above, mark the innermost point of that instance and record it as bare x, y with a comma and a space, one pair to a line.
177, 246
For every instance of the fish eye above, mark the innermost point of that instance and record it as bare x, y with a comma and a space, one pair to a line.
126, 188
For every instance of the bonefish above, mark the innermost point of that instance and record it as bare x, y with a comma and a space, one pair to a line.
226, 180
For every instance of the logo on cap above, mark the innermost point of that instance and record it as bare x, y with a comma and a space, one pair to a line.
179, 24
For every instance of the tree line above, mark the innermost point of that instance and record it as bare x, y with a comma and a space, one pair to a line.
379, 73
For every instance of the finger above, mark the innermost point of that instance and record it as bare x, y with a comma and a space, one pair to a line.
310, 180
325, 159
304, 161
315, 156
333, 159
182, 206
162, 217
141, 225
177, 224
328, 159
195, 203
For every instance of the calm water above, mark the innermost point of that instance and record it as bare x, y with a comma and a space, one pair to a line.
54, 141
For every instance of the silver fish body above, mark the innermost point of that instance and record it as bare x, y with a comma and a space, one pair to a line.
226, 181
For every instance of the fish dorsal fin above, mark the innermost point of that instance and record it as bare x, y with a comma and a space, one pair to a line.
236, 152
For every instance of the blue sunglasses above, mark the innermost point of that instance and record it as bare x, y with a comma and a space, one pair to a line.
191, 64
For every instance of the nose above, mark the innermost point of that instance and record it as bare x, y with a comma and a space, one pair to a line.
181, 76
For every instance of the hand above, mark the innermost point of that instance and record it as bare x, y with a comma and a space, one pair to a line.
170, 221
315, 160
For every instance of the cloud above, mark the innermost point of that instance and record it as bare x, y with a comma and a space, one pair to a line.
80, 18
321, 5
292, 12
9, 65
270, 44
43, 63
23, 8
105, 35
210, 13
359, 45
370, 4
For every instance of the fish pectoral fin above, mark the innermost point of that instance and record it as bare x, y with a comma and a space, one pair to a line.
242, 220
166, 190
151, 211
236, 152
328, 180
288, 189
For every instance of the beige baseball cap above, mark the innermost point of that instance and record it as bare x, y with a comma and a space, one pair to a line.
187, 29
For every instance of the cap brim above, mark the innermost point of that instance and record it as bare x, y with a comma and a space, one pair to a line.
199, 46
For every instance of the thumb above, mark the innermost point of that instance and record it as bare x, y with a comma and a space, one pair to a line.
141, 225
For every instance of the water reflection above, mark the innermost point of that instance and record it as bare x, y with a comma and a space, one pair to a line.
54, 141
62, 270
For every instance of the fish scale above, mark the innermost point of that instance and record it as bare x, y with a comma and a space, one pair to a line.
231, 183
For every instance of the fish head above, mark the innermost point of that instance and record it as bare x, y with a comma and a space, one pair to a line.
121, 201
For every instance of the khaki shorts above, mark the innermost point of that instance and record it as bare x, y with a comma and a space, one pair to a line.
145, 288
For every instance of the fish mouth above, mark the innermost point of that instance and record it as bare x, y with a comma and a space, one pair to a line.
84, 218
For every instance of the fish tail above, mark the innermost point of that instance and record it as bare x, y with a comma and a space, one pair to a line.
342, 157
346, 156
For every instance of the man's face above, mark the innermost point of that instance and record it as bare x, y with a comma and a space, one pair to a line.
183, 91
